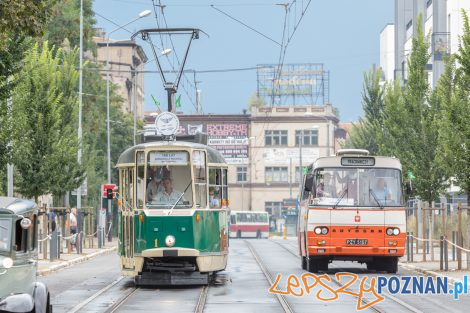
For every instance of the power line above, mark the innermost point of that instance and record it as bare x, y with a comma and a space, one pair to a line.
247, 26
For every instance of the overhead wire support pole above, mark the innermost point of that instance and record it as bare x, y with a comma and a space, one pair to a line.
170, 87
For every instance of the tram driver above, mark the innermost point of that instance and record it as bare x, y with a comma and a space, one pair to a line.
168, 195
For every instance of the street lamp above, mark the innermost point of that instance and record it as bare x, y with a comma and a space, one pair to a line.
141, 15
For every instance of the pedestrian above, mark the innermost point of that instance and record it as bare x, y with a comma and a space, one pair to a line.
73, 228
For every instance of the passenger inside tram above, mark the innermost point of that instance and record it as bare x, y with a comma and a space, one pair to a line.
168, 186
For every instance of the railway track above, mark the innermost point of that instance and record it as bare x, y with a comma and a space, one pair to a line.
281, 298
364, 301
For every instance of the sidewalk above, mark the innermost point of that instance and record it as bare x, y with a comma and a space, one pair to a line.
432, 268
45, 266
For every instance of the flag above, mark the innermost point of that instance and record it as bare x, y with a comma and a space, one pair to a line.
178, 102
156, 101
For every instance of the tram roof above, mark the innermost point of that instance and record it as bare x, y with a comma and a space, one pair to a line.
10, 205
128, 156
380, 161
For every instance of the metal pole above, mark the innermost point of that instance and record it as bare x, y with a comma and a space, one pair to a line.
301, 135
107, 130
328, 153
459, 237
80, 96
134, 101
424, 231
441, 259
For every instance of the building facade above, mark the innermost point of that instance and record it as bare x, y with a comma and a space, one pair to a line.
441, 20
266, 150
126, 64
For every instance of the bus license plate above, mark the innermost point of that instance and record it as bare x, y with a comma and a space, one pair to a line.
356, 242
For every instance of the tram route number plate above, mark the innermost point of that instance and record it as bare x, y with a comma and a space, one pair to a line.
356, 242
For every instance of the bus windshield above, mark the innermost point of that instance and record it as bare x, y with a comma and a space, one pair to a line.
369, 187
5, 235
168, 185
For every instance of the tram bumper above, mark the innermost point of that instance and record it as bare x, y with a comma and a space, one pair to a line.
171, 278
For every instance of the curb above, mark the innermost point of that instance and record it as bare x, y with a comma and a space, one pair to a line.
80, 259
430, 273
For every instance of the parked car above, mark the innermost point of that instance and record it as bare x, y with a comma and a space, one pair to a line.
19, 289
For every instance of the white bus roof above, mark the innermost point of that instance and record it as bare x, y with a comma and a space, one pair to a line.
378, 161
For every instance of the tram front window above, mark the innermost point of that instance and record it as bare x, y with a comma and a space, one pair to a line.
5, 235
374, 187
168, 185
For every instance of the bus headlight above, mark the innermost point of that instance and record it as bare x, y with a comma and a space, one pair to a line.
170, 241
7, 262
396, 231
389, 231
393, 231
321, 230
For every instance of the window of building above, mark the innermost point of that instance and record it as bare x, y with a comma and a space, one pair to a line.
409, 29
275, 137
242, 174
309, 137
273, 208
428, 9
276, 175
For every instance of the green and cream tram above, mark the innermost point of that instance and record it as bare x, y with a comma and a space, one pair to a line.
173, 212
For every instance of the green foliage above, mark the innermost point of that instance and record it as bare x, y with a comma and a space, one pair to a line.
25, 18
256, 102
44, 139
368, 133
454, 94
65, 24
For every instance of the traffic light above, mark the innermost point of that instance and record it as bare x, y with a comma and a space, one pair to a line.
109, 193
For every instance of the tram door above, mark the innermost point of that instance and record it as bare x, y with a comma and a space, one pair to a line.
127, 221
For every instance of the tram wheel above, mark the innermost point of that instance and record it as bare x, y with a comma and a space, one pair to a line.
303, 262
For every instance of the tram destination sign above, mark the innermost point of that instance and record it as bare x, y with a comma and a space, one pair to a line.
165, 158
346, 161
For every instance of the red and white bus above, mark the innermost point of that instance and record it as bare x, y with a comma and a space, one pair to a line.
352, 209
245, 224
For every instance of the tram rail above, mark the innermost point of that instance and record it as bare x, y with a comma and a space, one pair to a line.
281, 298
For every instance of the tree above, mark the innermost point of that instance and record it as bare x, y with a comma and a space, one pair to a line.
368, 134
65, 24
411, 122
43, 142
454, 93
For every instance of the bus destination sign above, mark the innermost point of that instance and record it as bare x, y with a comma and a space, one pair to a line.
347, 161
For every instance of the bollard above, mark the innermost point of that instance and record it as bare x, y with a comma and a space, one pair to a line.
53, 246
408, 246
58, 244
454, 241
412, 242
40, 244
441, 254
99, 235
284, 232
446, 256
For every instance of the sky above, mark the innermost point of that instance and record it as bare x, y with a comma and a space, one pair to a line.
343, 35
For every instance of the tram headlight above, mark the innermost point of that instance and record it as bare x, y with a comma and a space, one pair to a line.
396, 231
170, 241
318, 230
7, 262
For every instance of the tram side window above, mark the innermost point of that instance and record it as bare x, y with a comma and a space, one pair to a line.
200, 179
215, 187
140, 179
